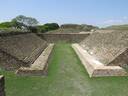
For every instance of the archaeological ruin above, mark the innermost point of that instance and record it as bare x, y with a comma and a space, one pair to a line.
102, 53
27, 53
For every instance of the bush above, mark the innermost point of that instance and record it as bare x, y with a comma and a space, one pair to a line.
47, 27
51, 26
6, 25
32, 29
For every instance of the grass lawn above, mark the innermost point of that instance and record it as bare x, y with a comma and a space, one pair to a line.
66, 77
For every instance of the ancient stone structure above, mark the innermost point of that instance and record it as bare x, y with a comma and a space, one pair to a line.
18, 50
108, 50
2, 86
102, 53
65, 37
21, 51
96, 68
40, 66
106, 47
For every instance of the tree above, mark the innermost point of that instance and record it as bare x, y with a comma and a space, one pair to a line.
48, 27
17, 25
28, 21
52, 26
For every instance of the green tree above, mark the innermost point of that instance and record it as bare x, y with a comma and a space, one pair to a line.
48, 27
23, 22
52, 26
28, 21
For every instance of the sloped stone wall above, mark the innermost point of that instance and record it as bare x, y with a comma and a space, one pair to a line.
10, 63
22, 48
121, 60
65, 37
106, 47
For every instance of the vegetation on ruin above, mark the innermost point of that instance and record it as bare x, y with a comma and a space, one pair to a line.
66, 77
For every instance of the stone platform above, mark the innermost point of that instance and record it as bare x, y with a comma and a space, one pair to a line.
39, 67
94, 67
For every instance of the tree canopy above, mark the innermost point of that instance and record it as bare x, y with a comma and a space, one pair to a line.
28, 21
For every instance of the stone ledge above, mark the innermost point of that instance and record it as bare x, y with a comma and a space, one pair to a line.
39, 67
2, 86
96, 68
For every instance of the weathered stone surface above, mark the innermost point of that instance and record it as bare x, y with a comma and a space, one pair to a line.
106, 47
20, 48
39, 67
2, 86
94, 67
9, 62
65, 37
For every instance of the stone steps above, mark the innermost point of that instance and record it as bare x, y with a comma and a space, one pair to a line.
35, 54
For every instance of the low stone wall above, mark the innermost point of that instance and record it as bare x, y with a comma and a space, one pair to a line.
66, 37
2, 87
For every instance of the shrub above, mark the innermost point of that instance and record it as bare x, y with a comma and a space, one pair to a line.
32, 29
47, 27
51, 26
6, 25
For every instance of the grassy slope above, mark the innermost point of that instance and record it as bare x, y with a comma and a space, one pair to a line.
118, 27
66, 77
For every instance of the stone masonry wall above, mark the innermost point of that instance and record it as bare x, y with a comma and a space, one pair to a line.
10, 63
22, 49
19, 48
106, 47
66, 37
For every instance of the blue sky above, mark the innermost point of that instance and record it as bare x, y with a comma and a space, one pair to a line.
96, 12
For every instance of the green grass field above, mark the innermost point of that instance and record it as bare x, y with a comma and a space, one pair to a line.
66, 77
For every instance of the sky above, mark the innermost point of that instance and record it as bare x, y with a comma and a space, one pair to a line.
95, 12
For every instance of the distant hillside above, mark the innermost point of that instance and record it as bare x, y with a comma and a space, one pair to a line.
118, 27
